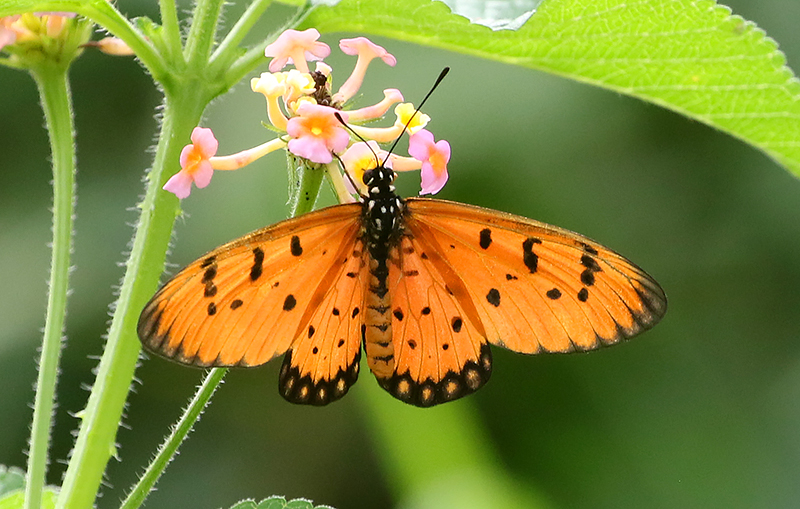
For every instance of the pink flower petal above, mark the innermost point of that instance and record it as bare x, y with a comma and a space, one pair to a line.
366, 51
311, 148
434, 157
316, 133
203, 138
203, 173
296, 47
179, 184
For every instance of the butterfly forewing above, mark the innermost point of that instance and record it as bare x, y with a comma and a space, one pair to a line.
537, 287
459, 278
247, 301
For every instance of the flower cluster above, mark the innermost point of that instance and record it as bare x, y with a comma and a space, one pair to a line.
28, 37
30, 27
314, 124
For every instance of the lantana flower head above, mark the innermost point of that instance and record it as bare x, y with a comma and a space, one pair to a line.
313, 125
32, 34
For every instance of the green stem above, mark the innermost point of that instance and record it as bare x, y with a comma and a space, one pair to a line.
240, 29
306, 192
179, 432
254, 55
170, 28
202, 32
306, 188
56, 102
96, 439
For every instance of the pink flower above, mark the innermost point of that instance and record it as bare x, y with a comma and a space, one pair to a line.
361, 157
195, 164
8, 33
390, 97
316, 133
296, 47
434, 157
366, 51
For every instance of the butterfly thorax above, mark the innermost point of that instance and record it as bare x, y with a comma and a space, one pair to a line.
382, 226
382, 209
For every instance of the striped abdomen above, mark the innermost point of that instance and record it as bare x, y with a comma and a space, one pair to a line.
377, 330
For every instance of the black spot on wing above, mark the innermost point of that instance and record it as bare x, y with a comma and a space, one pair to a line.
493, 297
485, 238
589, 249
258, 260
295, 247
289, 303
210, 273
529, 258
587, 276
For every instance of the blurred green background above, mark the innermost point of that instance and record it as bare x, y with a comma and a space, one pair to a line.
703, 411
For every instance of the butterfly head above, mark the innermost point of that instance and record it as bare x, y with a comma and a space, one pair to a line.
379, 177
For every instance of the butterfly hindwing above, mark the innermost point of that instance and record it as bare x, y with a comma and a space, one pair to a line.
247, 301
439, 353
537, 287
323, 362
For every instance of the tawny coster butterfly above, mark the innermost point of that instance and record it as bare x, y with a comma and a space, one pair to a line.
425, 285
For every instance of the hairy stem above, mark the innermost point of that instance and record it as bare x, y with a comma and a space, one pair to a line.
169, 448
53, 85
96, 440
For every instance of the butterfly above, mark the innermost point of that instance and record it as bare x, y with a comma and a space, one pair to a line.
425, 286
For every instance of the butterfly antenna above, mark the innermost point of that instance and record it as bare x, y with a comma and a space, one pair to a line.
405, 128
344, 124
347, 173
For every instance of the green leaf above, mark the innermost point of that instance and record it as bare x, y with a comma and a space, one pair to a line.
299, 503
11, 479
690, 56
244, 504
273, 502
16, 499
277, 502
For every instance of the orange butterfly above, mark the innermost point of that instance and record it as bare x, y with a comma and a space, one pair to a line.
426, 285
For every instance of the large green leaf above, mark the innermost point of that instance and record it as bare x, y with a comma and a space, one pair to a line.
277, 502
691, 56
